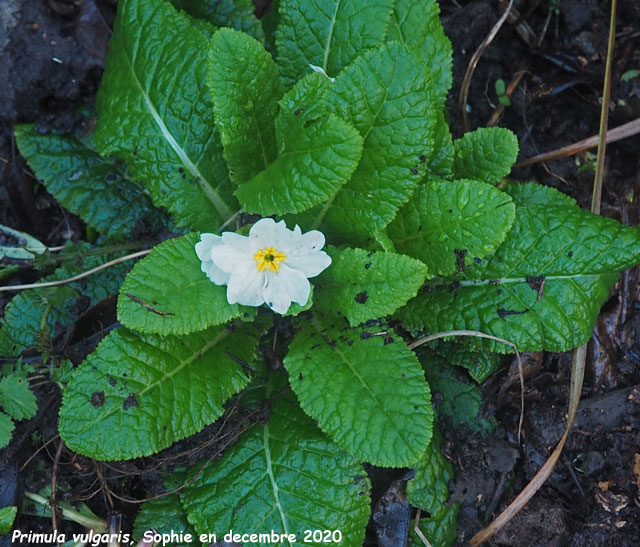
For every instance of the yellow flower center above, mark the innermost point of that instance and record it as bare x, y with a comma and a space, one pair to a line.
268, 258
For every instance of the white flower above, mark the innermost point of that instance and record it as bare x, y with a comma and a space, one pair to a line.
271, 265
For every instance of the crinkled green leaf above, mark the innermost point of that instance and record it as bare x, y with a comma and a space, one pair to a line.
366, 391
365, 285
16, 399
441, 529
301, 104
386, 94
62, 304
429, 488
154, 112
530, 193
480, 364
245, 88
237, 14
96, 190
439, 160
283, 476
429, 491
137, 394
164, 515
313, 162
485, 154
7, 516
543, 287
450, 224
6, 428
461, 400
417, 24
168, 293
328, 34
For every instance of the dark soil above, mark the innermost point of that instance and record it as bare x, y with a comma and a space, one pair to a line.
51, 58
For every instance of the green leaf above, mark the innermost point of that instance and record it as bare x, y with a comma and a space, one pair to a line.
417, 24
167, 292
17, 399
7, 516
316, 153
237, 14
96, 190
461, 400
58, 306
429, 488
329, 34
164, 515
542, 289
154, 112
439, 161
529, 193
365, 285
429, 491
245, 88
440, 529
630, 75
301, 104
284, 476
386, 94
480, 364
313, 162
6, 428
449, 225
485, 154
24, 247
137, 394
366, 391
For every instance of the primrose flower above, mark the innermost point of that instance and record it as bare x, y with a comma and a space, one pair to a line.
269, 266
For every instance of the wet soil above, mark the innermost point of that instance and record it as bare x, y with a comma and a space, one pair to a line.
591, 499
51, 58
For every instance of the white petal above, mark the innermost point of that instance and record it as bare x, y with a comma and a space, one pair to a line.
231, 260
246, 288
203, 247
268, 233
285, 287
218, 276
310, 242
262, 233
310, 264
242, 244
203, 250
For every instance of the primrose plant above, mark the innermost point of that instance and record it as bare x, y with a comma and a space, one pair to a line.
309, 145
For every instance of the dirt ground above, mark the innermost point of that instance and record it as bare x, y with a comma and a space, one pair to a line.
51, 58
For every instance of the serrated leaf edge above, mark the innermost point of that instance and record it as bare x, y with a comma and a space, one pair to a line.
208, 189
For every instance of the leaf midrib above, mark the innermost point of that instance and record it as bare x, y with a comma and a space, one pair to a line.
506, 280
327, 46
272, 479
220, 205
341, 355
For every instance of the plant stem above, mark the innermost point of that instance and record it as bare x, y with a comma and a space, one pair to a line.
98, 525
